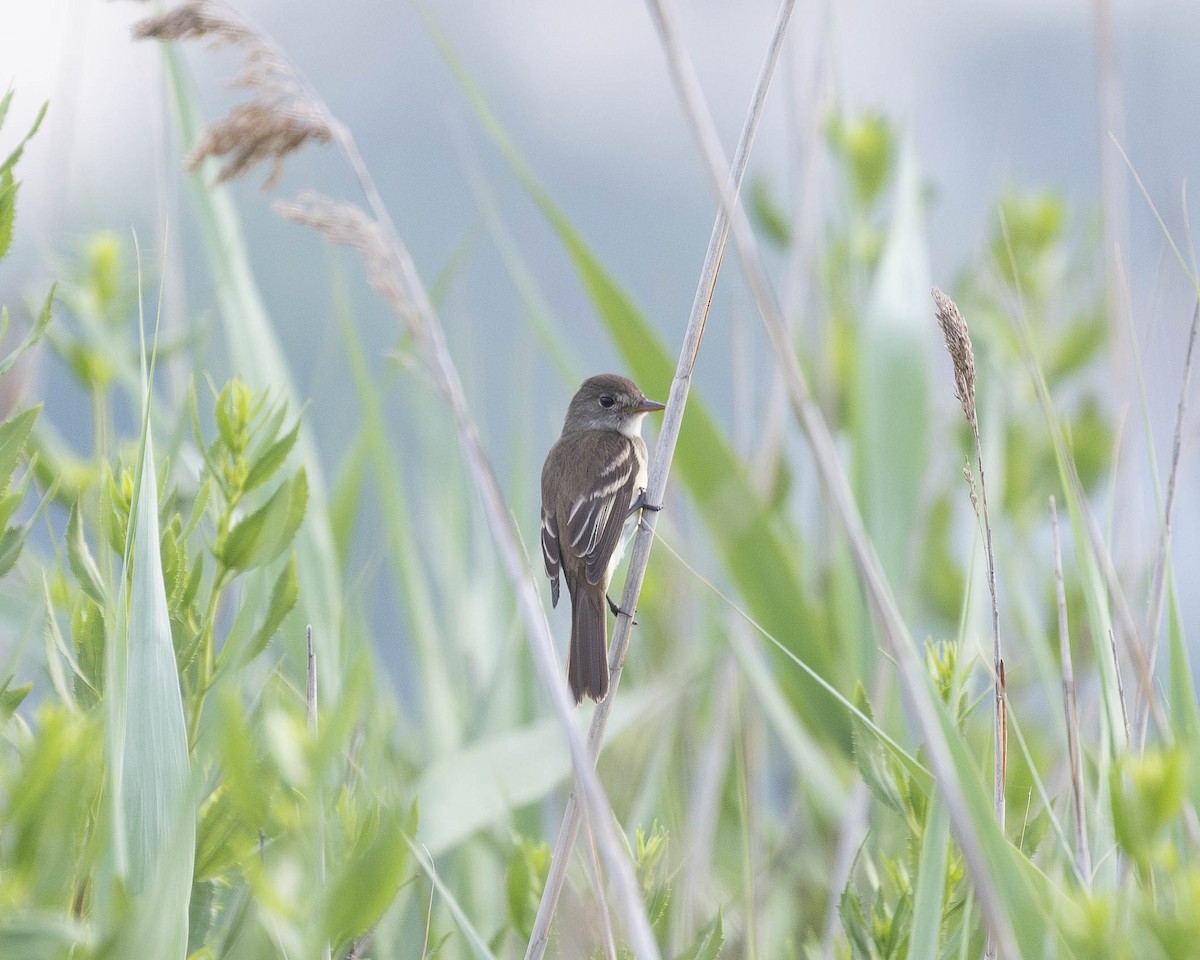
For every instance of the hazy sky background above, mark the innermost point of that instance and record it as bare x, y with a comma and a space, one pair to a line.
992, 92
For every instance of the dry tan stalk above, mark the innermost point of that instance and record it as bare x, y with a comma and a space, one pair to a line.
281, 90
833, 478
962, 357
1159, 584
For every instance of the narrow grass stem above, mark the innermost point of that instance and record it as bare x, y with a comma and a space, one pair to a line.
836, 485
1083, 855
1162, 559
657, 483
999, 724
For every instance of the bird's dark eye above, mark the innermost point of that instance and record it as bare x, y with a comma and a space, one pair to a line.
607, 401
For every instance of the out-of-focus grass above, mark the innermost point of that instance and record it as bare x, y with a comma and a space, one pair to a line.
416, 825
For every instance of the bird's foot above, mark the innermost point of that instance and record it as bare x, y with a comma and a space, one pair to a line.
617, 611
641, 503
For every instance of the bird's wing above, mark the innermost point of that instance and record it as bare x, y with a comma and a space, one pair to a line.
550, 551
594, 520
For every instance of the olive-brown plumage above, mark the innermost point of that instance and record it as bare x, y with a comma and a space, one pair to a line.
592, 479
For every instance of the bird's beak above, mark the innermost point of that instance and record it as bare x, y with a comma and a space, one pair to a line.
649, 406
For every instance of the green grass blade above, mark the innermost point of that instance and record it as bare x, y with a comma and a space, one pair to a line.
891, 413
931, 882
156, 801
439, 697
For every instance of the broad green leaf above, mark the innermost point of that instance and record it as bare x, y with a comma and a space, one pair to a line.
223, 835
262, 536
266, 465
35, 333
12, 541
13, 434
867, 148
11, 697
526, 878
369, 879
284, 595
1080, 344
771, 220
11, 160
8, 210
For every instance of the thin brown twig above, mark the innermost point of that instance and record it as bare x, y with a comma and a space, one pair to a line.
1083, 854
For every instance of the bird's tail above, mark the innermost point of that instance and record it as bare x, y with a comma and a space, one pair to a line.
587, 665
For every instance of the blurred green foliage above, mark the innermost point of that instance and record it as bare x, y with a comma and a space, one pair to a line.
787, 817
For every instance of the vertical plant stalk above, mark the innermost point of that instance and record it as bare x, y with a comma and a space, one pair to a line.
914, 682
958, 345
1083, 855
285, 114
1159, 587
656, 486
1112, 646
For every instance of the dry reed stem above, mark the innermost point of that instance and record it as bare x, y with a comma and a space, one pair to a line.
1083, 854
835, 482
1159, 587
962, 357
656, 486
281, 91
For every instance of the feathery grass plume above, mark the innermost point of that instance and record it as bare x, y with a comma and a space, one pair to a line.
958, 345
286, 113
280, 119
962, 356
348, 225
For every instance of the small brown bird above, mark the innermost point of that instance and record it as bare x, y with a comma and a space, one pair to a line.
594, 479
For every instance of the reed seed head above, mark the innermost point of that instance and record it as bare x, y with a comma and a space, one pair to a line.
281, 118
958, 345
